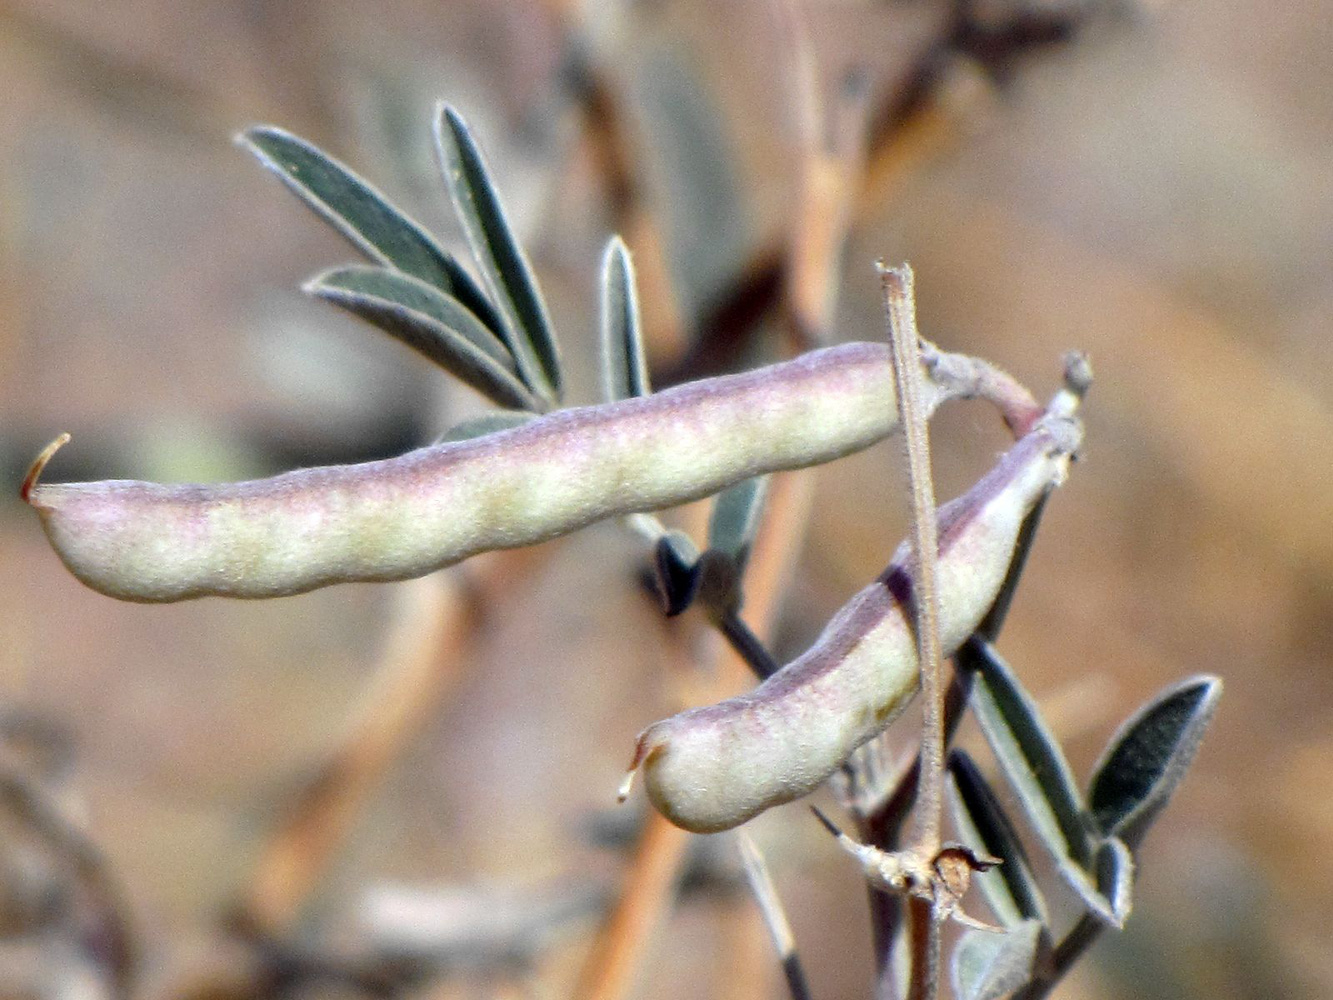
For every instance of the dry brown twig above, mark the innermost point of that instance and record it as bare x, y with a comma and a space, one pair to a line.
100, 917
424, 656
624, 936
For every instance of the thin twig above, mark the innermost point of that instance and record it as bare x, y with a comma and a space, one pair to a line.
831, 137
904, 342
104, 924
654, 871
421, 662
1071, 948
766, 895
925, 942
747, 645
608, 139
619, 946
905, 349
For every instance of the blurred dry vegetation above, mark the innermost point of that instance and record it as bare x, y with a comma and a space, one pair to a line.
1147, 183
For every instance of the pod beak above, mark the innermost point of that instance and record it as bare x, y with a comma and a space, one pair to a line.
38, 464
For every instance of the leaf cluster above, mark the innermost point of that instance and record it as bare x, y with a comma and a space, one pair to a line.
1090, 834
494, 334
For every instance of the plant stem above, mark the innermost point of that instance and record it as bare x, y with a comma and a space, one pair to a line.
1070, 949
904, 343
880, 826
925, 941
905, 350
747, 645
775, 917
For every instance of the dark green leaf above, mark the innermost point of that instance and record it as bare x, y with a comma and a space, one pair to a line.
1010, 888
1148, 756
1028, 755
429, 321
990, 626
987, 965
363, 215
418, 296
624, 367
676, 561
498, 254
488, 423
735, 518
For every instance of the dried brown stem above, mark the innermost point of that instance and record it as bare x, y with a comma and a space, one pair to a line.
422, 661
104, 923
617, 950
607, 139
900, 302
647, 893
924, 934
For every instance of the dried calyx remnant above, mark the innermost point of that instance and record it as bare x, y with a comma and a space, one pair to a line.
712, 768
406, 516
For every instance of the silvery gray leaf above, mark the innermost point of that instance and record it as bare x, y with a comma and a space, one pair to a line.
735, 519
363, 215
624, 366
1029, 756
432, 323
987, 966
502, 261
676, 561
487, 423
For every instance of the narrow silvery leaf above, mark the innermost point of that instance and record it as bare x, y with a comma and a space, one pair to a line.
676, 561
1115, 877
1028, 754
498, 254
1148, 756
624, 366
1106, 890
735, 518
430, 322
418, 296
987, 965
487, 423
1010, 889
363, 215
990, 626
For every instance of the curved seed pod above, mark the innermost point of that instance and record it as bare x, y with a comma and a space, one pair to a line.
712, 768
407, 516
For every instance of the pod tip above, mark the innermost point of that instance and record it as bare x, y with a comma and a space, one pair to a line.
626, 786
640, 752
38, 464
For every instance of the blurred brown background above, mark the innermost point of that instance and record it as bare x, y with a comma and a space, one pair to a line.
1148, 184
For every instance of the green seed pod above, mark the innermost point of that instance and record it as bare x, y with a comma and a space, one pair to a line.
406, 516
713, 768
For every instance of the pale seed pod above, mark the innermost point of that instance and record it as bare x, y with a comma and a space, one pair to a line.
710, 769
406, 516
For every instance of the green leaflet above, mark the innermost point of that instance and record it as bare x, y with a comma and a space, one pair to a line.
363, 215
527, 328
624, 366
432, 323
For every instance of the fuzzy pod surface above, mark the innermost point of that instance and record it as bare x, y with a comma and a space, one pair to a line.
406, 516
712, 768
